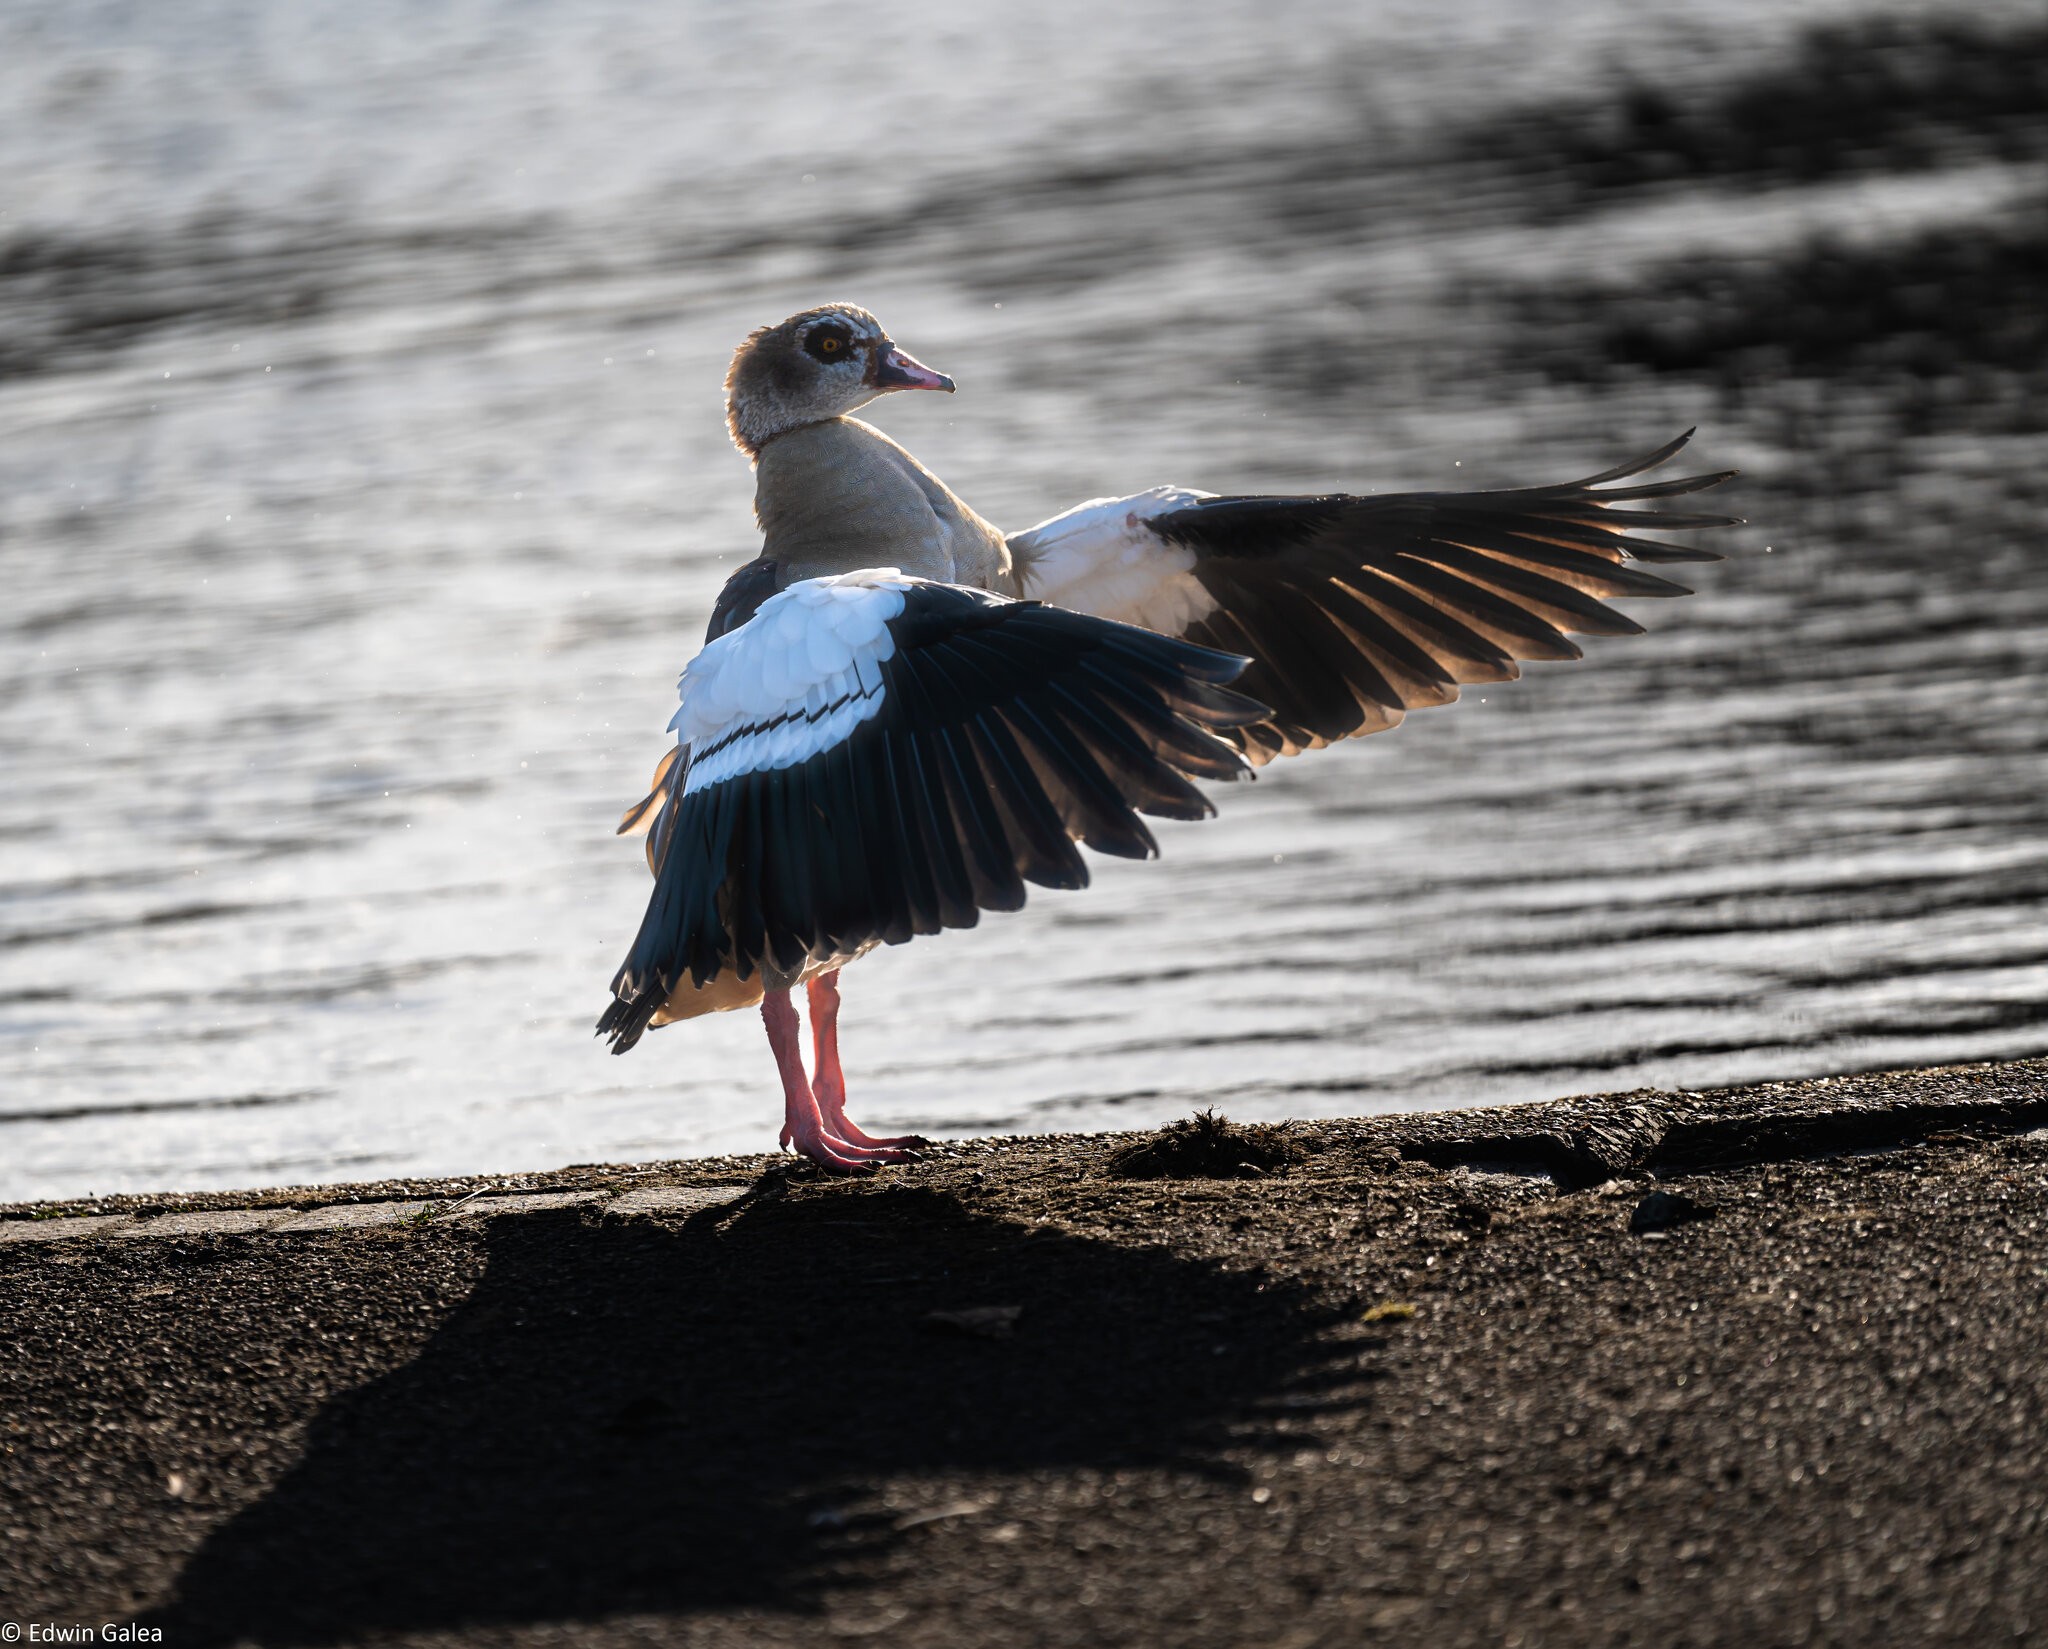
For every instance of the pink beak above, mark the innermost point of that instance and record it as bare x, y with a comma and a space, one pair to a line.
896, 370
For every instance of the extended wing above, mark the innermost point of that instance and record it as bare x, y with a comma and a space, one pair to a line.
872, 756
1355, 610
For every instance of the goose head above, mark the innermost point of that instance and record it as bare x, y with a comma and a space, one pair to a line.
817, 365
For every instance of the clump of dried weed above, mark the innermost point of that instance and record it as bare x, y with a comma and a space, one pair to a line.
1206, 1146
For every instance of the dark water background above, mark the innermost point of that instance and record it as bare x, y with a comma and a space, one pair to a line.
362, 491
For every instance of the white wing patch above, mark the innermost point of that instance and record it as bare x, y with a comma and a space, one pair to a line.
1100, 558
795, 679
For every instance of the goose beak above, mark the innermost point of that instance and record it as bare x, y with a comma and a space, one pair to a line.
896, 370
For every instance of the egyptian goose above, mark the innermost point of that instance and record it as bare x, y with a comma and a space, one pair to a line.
901, 715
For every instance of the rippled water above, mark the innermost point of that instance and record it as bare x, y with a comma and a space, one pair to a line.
362, 490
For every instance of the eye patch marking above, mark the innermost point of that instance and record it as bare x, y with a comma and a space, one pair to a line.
829, 341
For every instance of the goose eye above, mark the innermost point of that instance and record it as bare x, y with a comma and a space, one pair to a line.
829, 343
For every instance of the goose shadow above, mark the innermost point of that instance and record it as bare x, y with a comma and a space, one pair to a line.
631, 1417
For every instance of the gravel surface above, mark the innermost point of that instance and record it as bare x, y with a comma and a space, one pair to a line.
1757, 1367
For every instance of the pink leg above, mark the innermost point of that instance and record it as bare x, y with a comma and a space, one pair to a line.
830, 1085
803, 1125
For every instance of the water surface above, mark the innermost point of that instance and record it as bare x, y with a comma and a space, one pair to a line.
363, 490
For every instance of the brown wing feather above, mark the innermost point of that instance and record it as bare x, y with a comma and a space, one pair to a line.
650, 812
1356, 610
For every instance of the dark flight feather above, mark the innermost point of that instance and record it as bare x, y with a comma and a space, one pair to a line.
1005, 731
1356, 610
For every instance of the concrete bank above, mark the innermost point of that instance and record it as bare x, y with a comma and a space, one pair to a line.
1762, 1366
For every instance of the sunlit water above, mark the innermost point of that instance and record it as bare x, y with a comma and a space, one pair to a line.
362, 491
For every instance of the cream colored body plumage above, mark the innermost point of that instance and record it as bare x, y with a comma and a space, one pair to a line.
901, 716
830, 496
839, 494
